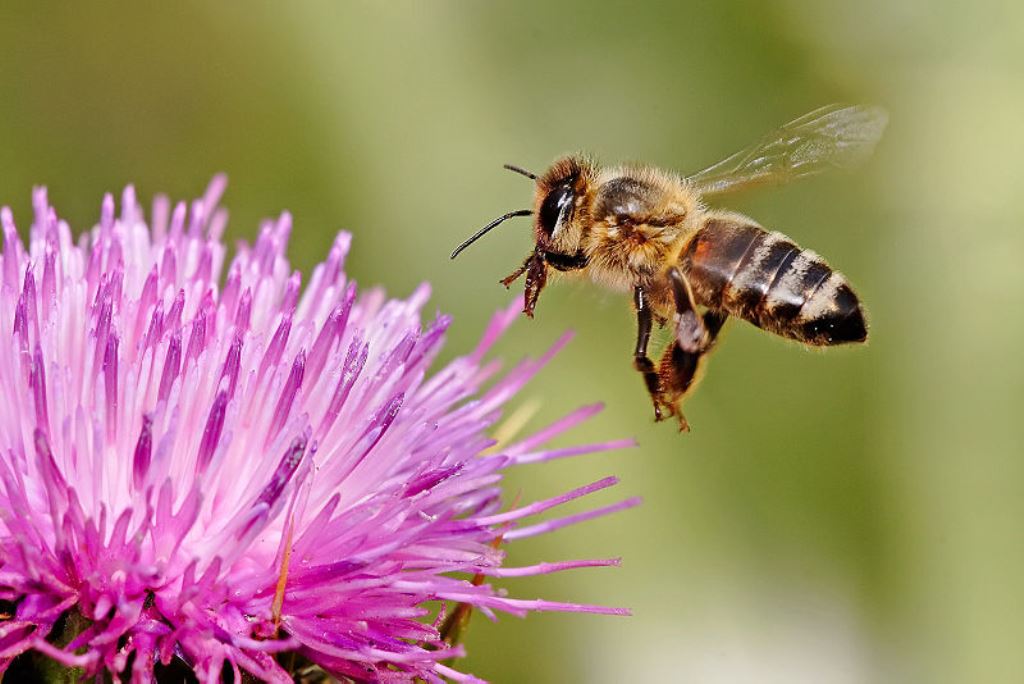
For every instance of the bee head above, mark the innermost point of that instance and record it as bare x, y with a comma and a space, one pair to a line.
557, 202
555, 205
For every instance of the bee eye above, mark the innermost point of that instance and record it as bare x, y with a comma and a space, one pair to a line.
553, 206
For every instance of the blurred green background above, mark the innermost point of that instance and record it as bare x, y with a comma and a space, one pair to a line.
849, 516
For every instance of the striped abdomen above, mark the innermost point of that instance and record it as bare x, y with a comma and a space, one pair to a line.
768, 280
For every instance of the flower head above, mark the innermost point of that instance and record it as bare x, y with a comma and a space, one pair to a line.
215, 475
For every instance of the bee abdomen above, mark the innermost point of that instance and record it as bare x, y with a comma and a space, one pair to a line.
766, 279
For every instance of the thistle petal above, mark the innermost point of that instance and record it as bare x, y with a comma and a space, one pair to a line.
215, 477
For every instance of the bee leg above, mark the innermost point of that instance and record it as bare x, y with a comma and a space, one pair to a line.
695, 335
536, 279
713, 322
692, 335
642, 362
676, 372
678, 368
514, 276
536, 271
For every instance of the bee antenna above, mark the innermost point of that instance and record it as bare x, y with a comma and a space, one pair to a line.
520, 170
483, 231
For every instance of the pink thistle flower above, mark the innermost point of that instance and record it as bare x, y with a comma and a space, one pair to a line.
215, 475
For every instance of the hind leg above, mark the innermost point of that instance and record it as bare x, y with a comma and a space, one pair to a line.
695, 336
678, 369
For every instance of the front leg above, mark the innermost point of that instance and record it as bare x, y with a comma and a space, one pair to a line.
536, 270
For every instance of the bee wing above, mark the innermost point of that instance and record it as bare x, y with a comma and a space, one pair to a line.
835, 136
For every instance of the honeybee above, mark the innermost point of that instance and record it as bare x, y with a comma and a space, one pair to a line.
647, 231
